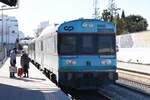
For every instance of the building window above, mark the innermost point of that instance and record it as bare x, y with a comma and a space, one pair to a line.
13, 31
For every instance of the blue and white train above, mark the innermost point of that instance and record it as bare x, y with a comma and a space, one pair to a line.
79, 54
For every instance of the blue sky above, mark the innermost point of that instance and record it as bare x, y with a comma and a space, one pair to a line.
32, 12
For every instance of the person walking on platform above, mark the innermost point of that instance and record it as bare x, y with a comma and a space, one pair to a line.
25, 63
12, 61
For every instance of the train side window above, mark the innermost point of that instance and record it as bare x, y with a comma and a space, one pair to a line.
41, 45
55, 43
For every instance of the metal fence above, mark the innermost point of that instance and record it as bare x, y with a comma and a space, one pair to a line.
3, 55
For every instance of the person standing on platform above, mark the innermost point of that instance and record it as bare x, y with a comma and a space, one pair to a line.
25, 63
12, 61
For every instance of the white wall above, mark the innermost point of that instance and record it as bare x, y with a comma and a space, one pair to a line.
134, 40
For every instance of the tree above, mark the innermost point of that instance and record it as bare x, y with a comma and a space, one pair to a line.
135, 23
106, 16
131, 23
123, 15
120, 27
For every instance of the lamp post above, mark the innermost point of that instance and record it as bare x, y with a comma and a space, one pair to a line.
8, 35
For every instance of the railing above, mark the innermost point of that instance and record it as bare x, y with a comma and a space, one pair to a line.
3, 56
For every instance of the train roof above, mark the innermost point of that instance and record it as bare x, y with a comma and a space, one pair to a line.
33, 40
48, 31
86, 25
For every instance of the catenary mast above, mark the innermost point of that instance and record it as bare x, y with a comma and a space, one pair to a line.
96, 9
113, 11
111, 7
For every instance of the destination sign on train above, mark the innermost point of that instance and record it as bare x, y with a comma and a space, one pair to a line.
105, 30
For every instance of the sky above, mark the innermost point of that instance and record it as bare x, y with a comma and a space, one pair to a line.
31, 12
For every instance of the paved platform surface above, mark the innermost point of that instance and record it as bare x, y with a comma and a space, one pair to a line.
36, 87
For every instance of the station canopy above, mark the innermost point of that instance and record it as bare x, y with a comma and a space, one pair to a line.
9, 2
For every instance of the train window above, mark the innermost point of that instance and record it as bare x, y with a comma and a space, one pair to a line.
55, 40
106, 44
67, 44
87, 44
41, 45
48, 41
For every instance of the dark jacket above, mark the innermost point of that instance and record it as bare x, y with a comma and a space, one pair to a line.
25, 61
12, 58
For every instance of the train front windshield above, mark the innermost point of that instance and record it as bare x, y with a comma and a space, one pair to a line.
74, 44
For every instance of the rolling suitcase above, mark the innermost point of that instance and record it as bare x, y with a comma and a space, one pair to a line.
20, 72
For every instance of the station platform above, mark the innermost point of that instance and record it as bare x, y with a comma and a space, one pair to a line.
36, 87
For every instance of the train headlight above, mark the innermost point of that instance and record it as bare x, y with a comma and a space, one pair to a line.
70, 62
106, 62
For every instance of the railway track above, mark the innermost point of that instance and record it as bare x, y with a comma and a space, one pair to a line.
130, 86
140, 81
122, 92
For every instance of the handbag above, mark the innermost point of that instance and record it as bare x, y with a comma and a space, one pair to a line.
13, 69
